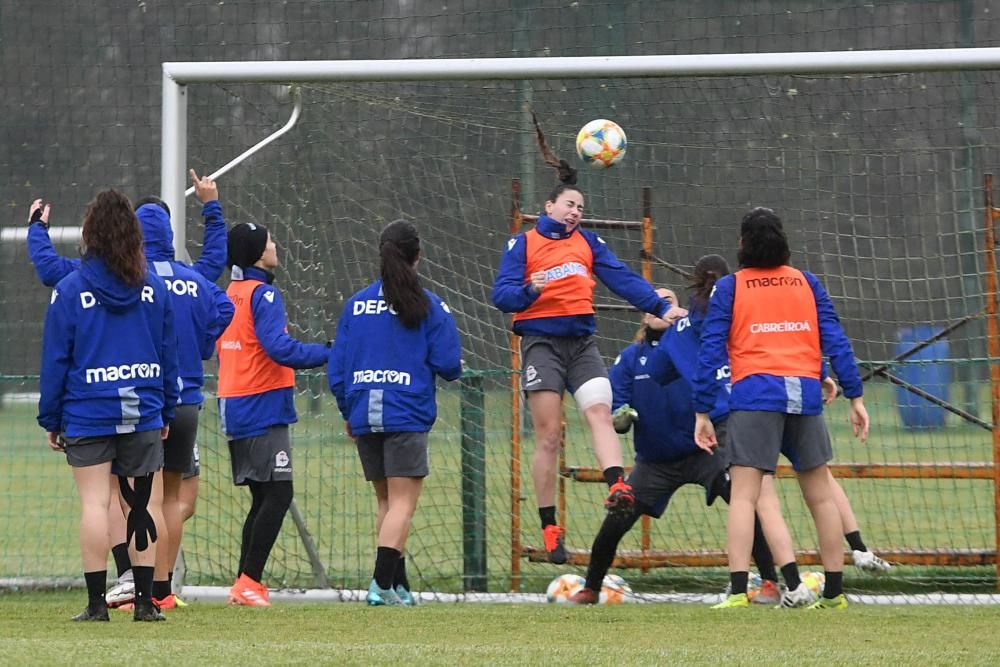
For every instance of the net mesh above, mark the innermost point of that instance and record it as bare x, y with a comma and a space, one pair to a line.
877, 178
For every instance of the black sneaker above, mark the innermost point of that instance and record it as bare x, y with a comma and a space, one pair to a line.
553, 536
146, 610
95, 611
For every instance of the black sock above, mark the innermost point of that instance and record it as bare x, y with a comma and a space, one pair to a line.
96, 583
762, 553
613, 474
161, 589
547, 515
834, 585
170, 581
275, 498
399, 577
143, 582
790, 571
122, 562
602, 553
385, 566
738, 582
854, 539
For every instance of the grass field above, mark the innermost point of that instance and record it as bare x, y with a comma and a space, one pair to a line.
34, 629
39, 509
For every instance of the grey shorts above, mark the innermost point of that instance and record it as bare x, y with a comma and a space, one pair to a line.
131, 454
384, 455
262, 458
178, 448
654, 483
551, 363
756, 438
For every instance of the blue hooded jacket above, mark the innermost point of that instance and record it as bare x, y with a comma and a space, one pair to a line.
51, 268
202, 311
109, 355
382, 373
664, 431
513, 293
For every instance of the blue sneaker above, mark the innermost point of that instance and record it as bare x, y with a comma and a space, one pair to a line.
405, 596
382, 596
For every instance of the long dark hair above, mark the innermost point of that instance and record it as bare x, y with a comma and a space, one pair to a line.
565, 173
763, 243
399, 247
111, 231
707, 272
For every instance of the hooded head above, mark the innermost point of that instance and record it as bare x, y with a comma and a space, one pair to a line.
247, 242
157, 235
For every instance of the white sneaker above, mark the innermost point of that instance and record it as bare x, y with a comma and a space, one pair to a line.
123, 592
869, 562
800, 597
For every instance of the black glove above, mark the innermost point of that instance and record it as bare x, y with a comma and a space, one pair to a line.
37, 217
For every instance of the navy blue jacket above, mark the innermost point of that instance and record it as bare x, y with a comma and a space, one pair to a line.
109, 355
382, 373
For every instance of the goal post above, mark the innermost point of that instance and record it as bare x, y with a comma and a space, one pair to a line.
862, 153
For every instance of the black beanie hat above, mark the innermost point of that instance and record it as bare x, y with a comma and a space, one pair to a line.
246, 244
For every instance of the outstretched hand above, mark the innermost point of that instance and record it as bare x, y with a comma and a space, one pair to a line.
205, 188
38, 212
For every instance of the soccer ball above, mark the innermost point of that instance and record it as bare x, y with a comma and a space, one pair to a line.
614, 590
601, 143
563, 587
754, 582
814, 581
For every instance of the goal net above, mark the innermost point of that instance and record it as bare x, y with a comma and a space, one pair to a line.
878, 177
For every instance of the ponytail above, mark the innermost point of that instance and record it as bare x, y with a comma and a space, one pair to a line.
565, 173
707, 272
399, 248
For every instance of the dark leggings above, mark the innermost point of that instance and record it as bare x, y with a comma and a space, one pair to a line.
263, 523
602, 553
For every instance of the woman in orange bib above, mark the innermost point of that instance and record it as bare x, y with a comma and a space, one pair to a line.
776, 323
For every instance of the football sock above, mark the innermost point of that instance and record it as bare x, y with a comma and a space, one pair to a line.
161, 589
762, 553
257, 499
96, 583
834, 585
143, 582
170, 581
613, 474
790, 571
854, 539
399, 577
385, 566
547, 515
276, 498
738, 582
602, 553
122, 562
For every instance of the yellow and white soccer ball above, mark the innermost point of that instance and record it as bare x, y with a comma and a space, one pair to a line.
601, 143
814, 581
614, 590
563, 587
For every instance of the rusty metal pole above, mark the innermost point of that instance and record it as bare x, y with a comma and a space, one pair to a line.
993, 342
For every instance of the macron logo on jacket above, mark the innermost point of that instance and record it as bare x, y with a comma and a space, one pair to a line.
123, 372
382, 376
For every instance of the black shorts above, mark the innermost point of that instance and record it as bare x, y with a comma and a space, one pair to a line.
655, 483
131, 454
262, 458
178, 448
756, 438
404, 454
552, 363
